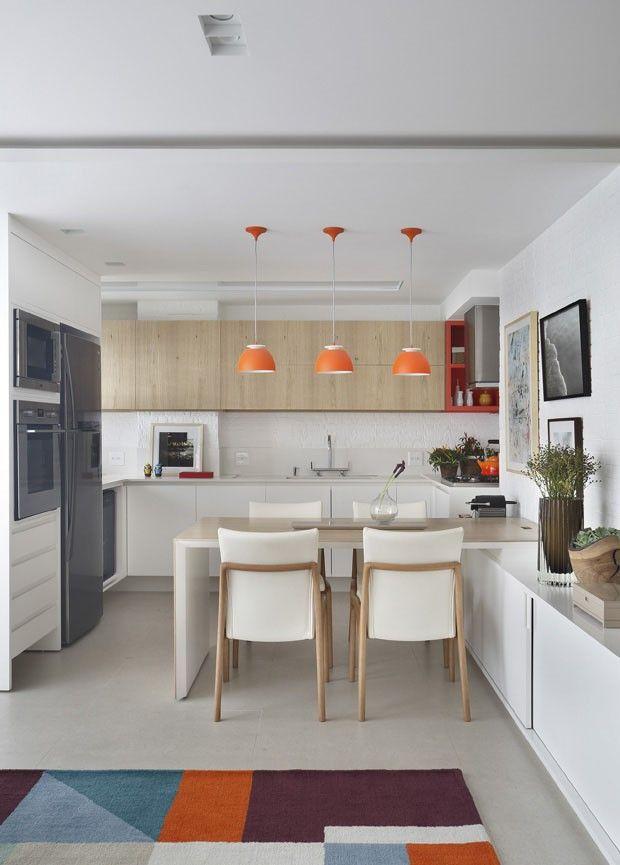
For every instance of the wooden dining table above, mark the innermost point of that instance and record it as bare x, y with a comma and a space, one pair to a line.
191, 566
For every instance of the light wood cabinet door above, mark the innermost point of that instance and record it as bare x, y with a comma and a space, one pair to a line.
296, 387
177, 365
118, 365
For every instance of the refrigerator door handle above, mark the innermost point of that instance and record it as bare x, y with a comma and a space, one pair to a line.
69, 401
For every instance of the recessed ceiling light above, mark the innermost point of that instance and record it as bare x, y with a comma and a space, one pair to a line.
224, 35
72, 230
115, 264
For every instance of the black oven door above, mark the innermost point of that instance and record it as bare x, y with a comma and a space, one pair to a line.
37, 469
37, 358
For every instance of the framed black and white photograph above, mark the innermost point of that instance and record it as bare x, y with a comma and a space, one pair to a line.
565, 352
177, 447
566, 432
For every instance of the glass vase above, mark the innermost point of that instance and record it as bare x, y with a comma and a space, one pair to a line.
559, 520
383, 508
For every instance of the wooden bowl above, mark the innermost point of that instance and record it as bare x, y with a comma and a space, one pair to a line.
599, 562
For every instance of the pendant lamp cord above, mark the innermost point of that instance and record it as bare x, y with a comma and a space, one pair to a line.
255, 290
334, 291
411, 293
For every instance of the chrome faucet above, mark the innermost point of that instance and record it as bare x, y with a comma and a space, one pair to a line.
330, 452
330, 467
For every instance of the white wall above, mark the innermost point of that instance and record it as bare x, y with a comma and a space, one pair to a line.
129, 433
578, 256
6, 453
276, 441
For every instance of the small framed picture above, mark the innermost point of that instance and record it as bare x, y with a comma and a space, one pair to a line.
566, 432
565, 352
177, 447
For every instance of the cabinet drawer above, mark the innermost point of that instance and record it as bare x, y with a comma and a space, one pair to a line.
33, 540
33, 630
33, 602
32, 572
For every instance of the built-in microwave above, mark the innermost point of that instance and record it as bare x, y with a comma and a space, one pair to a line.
38, 434
37, 352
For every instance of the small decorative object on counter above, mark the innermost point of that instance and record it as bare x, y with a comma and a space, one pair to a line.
561, 474
446, 460
148, 470
383, 508
157, 471
485, 398
595, 555
489, 466
469, 451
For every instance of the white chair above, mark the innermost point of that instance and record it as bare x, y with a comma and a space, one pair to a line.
361, 511
297, 511
269, 592
412, 590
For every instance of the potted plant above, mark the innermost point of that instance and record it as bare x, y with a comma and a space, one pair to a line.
446, 460
561, 474
469, 451
595, 555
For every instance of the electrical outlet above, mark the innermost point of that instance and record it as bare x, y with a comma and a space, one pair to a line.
415, 458
242, 458
117, 458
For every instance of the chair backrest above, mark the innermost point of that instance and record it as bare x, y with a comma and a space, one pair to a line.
286, 510
411, 605
406, 510
269, 606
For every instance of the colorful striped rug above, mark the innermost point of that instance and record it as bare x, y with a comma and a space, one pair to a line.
411, 817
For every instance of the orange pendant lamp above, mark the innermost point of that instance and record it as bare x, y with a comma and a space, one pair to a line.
333, 359
411, 360
256, 357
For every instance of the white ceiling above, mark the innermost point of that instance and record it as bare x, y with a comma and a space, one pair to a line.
362, 69
178, 216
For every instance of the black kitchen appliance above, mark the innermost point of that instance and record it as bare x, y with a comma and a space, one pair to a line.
489, 506
82, 498
38, 436
37, 352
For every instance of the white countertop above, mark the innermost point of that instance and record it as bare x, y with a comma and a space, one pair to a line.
110, 481
520, 561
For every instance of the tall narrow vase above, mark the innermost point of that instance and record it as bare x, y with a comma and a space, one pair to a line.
559, 520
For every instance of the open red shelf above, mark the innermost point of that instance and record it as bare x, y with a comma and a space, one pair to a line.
455, 373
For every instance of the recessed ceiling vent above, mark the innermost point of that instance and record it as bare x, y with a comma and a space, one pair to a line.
115, 264
224, 34
72, 230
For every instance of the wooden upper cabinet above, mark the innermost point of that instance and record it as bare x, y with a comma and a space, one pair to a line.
118, 365
296, 387
177, 365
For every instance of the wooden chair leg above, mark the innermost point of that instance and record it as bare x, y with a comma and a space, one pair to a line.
460, 636
226, 660
320, 645
446, 655
330, 630
362, 635
451, 660
326, 671
235, 654
352, 638
220, 649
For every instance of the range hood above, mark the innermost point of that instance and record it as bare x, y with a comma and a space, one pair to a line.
482, 346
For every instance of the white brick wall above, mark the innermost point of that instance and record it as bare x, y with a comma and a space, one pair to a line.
578, 256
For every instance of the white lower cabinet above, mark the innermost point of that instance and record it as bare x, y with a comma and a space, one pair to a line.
576, 706
155, 515
498, 629
226, 500
301, 492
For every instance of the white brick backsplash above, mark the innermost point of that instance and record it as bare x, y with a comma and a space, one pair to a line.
578, 256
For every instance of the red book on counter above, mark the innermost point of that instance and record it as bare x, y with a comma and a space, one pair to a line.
195, 474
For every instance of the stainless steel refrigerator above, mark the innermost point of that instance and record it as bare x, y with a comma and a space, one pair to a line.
82, 498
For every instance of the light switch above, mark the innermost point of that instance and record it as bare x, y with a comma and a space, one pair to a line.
415, 458
117, 458
242, 458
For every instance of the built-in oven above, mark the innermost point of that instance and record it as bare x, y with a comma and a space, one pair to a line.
37, 352
38, 433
